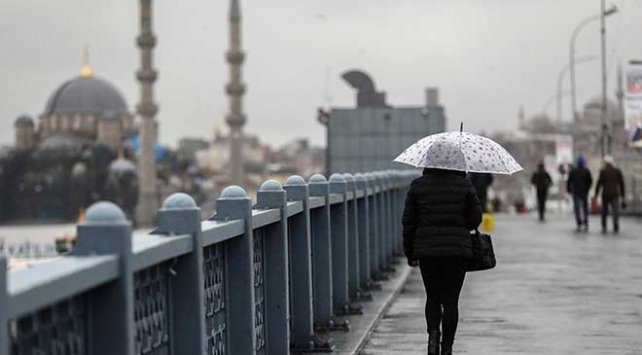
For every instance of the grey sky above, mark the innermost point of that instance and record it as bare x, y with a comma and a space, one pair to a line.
486, 56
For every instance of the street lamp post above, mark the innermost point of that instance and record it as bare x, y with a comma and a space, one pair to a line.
560, 80
571, 62
605, 141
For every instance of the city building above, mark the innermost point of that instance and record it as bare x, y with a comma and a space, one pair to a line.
368, 137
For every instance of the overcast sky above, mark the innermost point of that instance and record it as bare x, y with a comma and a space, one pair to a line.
486, 56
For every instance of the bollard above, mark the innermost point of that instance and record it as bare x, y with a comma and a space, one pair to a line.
106, 231
302, 334
277, 314
180, 215
241, 314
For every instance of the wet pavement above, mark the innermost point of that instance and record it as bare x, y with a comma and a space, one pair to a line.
554, 291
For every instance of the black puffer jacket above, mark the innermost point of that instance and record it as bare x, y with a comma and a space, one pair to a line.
441, 210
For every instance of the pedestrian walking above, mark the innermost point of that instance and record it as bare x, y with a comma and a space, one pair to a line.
481, 182
579, 185
611, 183
542, 181
440, 211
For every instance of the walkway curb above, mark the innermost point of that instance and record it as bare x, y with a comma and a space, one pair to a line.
399, 282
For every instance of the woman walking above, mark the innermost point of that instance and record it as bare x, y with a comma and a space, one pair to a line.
440, 211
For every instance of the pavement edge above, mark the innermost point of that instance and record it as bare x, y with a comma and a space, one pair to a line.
400, 282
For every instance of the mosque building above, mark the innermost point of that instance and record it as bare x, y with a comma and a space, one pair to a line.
83, 110
73, 155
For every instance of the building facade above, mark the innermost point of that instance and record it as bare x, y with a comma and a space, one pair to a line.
369, 136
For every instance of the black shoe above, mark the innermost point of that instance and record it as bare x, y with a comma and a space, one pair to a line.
446, 349
433, 342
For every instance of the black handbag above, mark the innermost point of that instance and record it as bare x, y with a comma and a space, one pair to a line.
483, 253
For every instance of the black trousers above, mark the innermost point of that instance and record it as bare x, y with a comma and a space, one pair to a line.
443, 279
612, 204
541, 203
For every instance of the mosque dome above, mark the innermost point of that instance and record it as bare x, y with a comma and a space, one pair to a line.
87, 94
122, 166
612, 108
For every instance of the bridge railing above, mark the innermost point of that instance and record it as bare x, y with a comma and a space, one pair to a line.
259, 279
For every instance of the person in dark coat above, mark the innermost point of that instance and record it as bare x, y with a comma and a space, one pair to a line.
441, 209
611, 183
578, 185
481, 182
542, 181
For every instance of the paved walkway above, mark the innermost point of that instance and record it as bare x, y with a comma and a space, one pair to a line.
554, 291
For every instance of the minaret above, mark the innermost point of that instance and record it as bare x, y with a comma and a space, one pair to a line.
235, 90
147, 191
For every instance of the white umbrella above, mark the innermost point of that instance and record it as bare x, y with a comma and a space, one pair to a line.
460, 151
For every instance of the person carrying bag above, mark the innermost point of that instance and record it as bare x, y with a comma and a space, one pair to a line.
441, 209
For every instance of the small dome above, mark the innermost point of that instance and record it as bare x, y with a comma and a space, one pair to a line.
121, 166
87, 95
612, 108
23, 121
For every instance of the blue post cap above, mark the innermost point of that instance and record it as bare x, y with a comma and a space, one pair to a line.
348, 177
179, 201
233, 192
271, 185
337, 178
105, 213
295, 180
318, 179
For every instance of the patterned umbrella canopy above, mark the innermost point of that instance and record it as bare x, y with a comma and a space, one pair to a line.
460, 151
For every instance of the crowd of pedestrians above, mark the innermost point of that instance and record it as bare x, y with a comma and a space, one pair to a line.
609, 187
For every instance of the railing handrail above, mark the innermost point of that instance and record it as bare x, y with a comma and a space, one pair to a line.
182, 237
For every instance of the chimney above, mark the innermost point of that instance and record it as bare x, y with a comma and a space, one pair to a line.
432, 97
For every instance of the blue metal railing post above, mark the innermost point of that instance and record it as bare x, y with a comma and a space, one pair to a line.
272, 196
339, 243
396, 192
387, 218
232, 205
302, 333
381, 222
179, 216
301, 300
364, 232
353, 239
106, 231
4, 300
373, 207
321, 254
